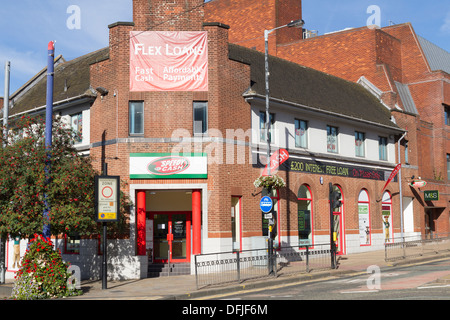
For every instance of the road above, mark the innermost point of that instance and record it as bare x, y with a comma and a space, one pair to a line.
427, 281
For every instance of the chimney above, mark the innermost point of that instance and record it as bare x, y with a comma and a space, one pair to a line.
287, 11
164, 15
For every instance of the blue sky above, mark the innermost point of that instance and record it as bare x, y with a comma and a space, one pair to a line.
27, 26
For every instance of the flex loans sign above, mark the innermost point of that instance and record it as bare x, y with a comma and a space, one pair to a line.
168, 166
168, 61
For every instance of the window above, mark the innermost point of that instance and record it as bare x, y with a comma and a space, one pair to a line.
236, 223
447, 115
136, 116
360, 138
200, 117
72, 244
364, 218
332, 141
304, 214
448, 166
382, 148
301, 133
76, 122
386, 214
406, 152
262, 127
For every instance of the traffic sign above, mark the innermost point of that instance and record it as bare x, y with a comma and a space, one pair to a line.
266, 204
107, 198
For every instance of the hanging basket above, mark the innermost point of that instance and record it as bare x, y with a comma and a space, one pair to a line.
272, 182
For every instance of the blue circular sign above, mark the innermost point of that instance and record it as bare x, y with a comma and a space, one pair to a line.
266, 204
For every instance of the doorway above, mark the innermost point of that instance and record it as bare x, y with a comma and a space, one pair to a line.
171, 236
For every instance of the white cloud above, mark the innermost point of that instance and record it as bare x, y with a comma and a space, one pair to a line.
446, 26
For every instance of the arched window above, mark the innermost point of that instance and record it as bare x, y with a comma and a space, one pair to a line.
386, 214
364, 218
304, 216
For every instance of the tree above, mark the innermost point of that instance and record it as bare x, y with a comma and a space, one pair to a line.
25, 184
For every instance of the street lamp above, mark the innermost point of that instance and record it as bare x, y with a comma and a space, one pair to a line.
293, 24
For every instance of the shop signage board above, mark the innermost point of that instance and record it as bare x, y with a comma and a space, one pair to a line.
338, 170
431, 195
168, 166
107, 198
168, 61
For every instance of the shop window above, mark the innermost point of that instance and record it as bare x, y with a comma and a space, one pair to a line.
136, 117
360, 138
76, 122
236, 223
364, 218
72, 243
382, 148
332, 139
386, 214
301, 133
200, 117
262, 127
304, 216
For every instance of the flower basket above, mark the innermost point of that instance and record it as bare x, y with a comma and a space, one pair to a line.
270, 182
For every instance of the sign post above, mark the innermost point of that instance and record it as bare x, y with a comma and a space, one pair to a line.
107, 208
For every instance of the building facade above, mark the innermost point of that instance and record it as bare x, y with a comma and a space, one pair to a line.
409, 74
190, 157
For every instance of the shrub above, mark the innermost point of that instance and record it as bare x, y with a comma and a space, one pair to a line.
43, 273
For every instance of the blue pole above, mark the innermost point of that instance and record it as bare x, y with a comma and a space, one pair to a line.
48, 126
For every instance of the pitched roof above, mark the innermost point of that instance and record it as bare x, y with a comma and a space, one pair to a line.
72, 79
311, 88
438, 58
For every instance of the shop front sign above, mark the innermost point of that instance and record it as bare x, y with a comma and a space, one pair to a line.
168, 166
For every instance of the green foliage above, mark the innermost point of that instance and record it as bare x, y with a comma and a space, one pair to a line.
25, 185
43, 273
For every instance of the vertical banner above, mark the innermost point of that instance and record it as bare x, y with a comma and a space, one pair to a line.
168, 61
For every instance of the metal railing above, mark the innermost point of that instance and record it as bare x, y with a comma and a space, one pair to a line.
230, 267
417, 246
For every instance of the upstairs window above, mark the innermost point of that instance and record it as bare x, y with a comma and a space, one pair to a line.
301, 134
360, 138
76, 122
136, 117
262, 127
382, 148
332, 139
200, 117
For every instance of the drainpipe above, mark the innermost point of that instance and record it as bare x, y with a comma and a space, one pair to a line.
400, 187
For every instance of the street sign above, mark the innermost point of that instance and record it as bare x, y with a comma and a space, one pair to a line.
266, 204
431, 195
107, 198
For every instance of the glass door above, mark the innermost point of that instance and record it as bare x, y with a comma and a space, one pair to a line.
171, 236
160, 242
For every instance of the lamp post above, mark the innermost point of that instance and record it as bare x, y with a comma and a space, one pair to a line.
293, 24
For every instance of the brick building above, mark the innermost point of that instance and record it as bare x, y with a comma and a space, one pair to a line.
191, 157
409, 74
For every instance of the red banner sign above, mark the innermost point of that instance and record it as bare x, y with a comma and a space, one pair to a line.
168, 61
393, 174
277, 158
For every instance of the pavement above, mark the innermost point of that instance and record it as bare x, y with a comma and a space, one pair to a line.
185, 288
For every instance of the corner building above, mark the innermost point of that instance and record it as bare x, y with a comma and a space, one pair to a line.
191, 157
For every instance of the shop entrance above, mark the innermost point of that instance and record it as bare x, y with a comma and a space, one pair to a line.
171, 236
